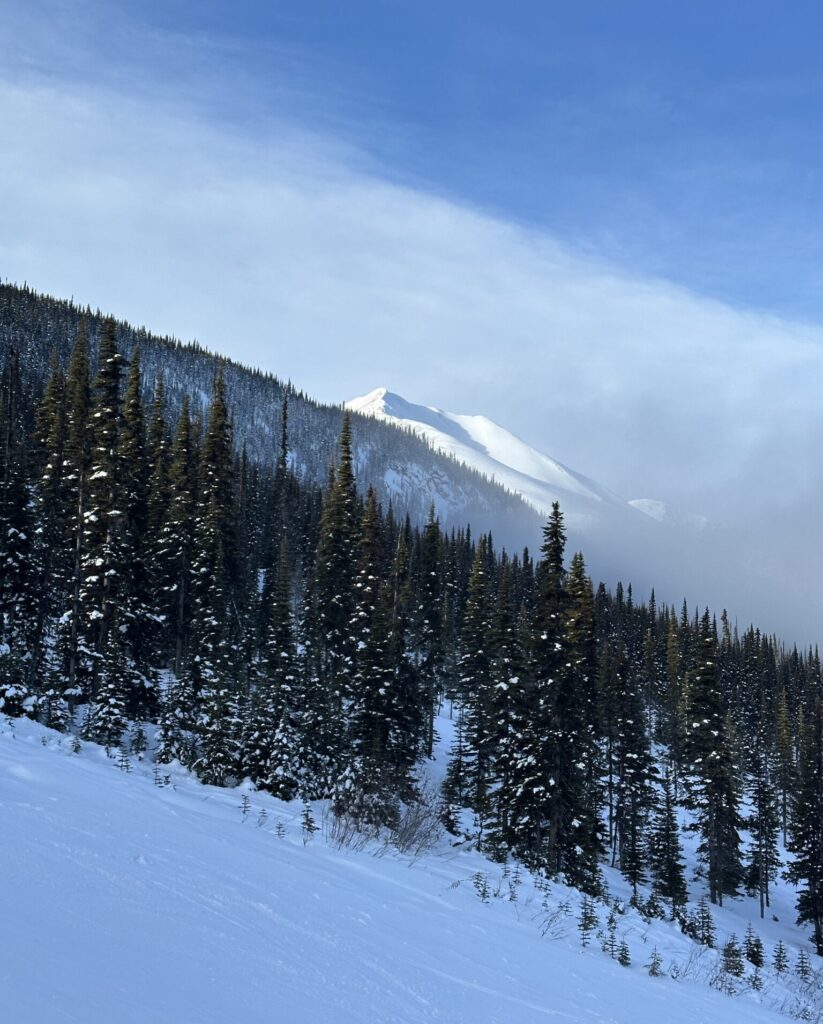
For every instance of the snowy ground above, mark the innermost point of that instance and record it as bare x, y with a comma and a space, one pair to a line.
124, 901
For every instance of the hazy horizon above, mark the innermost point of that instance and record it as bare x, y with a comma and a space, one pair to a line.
622, 272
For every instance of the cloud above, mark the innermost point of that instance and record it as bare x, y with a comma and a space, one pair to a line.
289, 250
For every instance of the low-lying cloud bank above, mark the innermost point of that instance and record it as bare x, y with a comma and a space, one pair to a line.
288, 251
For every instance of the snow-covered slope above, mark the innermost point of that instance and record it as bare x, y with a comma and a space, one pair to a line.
497, 453
620, 541
131, 902
663, 513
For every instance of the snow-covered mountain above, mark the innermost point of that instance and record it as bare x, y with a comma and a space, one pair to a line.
490, 449
644, 541
621, 539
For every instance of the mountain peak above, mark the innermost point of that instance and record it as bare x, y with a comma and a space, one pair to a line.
371, 403
494, 451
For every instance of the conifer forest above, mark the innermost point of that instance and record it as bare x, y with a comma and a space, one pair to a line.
305, 634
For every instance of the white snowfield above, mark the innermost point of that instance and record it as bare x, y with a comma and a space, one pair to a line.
127, 902
497, 453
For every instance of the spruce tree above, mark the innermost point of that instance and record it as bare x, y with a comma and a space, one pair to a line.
474, 685
712, 778
52, 551
333, 638
429, 625
173, 548
764, 820
506, 713
806, 834
73, 674
212, 652
577, 705
102, 566
635, 796
106, 714
132, 537
665, 856
18, 586
272, 753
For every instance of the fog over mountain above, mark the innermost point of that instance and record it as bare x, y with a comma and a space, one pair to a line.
283, 242
645, 541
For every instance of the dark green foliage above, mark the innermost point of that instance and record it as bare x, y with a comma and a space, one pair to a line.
806, 869
780, 959
731, 957
700, 925
764, 821
588, 920
712, 780
655, 964
803, 967
665, 856
19, 585
160, 564
753, 947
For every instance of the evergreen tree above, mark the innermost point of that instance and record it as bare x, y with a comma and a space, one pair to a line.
753, 947
174, 548
577, 705
635, 772
101, 565
212, 653
665, 857
780, 960
784, 745
51, 556
333, 638
732, 958
18, 599
76, 462
806, 837
474, 683
712, 778
106, 717
131, 539
509, 706
764, 820
430, 623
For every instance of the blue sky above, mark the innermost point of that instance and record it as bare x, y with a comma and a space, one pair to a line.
598, 223
681, 140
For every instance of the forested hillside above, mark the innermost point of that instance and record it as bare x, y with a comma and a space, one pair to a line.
304, 636
401, 467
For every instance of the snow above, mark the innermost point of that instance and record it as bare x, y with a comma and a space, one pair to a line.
651, 507
491, 450
131, 902
662, 513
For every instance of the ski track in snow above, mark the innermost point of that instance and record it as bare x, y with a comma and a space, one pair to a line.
122, 901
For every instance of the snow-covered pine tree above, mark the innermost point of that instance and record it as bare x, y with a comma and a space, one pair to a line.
132, 544
429, 622
712, 776
634, 777
212, 661
52, 552
806, 834
73, 671
474, 685
577, 703
106, 719
332, 638
101, 565
507, 678
665, 854
764, 820
18, 582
